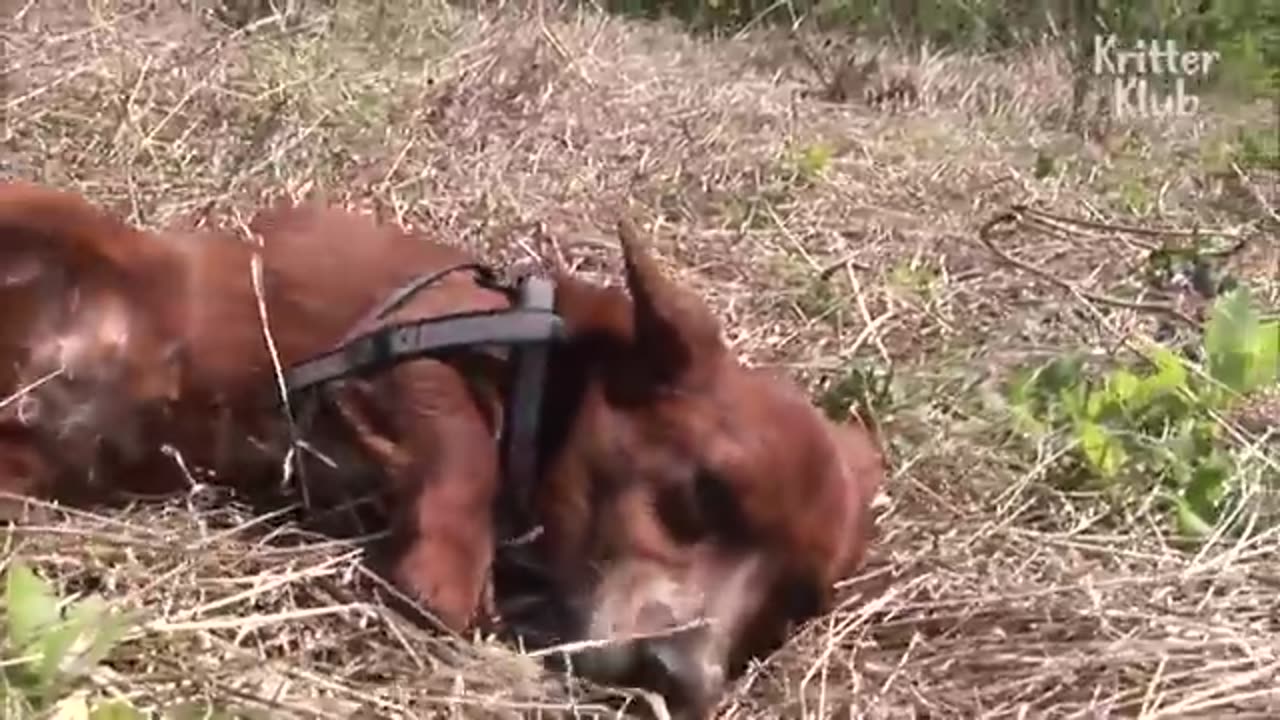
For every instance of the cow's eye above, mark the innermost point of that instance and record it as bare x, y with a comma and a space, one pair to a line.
678, 509
702, 507
720, 507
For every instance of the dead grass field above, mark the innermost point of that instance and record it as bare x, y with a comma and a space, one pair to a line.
828, 236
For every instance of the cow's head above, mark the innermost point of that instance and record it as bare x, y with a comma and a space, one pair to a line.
689, 501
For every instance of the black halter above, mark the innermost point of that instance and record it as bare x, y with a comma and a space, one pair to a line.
527, 328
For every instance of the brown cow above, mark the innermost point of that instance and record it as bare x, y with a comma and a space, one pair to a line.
170, 322
676, 486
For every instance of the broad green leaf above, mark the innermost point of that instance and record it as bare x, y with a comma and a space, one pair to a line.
1207, 486
1019, 390
82, 641
31, 604
1233, 339
55, 648
1025, 421
101, 630
1190, 523
1123, 386
1096, 404
1170, 374
1060, 374
1075, 401
1100, 448
1182, 445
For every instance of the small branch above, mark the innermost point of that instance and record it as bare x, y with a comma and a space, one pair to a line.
1016, 216
291, 457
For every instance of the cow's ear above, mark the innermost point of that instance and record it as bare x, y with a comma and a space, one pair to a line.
677, 338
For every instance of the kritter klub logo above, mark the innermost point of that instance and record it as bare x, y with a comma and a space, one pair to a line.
1153, 78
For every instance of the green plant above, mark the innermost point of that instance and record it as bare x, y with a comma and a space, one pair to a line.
1197, 262
1131, 428
1258, 148
806, 164
1045, 166
50, 646
915, 277
863, 388
817, 298
1249, 147
1136, 196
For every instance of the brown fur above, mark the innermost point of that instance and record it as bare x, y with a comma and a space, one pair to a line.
676, 485
195, 351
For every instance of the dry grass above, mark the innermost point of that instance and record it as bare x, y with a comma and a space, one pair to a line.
825, 235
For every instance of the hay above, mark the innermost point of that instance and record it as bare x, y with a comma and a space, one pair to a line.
823, 234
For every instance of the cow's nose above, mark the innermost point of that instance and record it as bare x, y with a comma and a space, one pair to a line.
689, 683
655, 614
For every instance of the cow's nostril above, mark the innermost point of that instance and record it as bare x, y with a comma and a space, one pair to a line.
656, 616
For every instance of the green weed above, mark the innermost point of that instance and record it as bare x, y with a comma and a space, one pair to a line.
806, 164
1158, 427
862, 387
915, 278
51, 646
